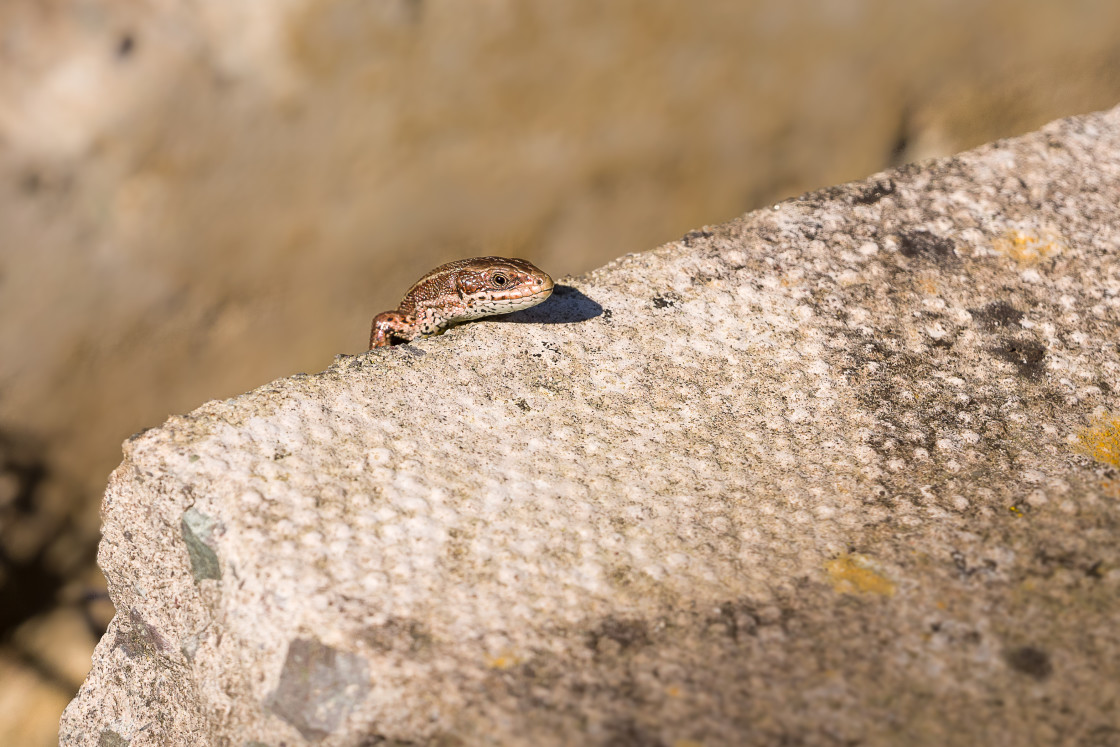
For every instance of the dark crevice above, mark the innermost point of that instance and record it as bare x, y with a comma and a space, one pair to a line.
30, 581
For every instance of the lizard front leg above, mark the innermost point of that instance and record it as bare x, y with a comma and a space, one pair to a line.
390, 325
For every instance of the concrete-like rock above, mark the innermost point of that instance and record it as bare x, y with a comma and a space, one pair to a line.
834, 473
198, 196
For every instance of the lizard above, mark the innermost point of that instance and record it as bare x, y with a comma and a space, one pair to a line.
460, 291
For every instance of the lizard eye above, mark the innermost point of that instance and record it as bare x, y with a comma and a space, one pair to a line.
499, 280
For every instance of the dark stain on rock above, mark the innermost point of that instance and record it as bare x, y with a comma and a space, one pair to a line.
627, 733
913, 169
1027, 356
626, 633
380, 740
109, 738
1104, 735
1050, 559
997, 315
738, 619
135, 436
399, 635
924, 245
319, 687
690, 238
138, 638
661, 302
875, 192
821, 196
1030, 661
966, 570
198, 529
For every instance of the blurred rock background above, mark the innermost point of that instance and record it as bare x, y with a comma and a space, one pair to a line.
198, 196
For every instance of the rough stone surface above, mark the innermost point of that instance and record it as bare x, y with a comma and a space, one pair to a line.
837, 472
198, 196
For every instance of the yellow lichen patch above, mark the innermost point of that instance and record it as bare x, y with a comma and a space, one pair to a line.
1101, 440
854, 574
503, 661
1029, 247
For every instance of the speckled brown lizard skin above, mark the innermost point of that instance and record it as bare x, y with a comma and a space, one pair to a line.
459, 291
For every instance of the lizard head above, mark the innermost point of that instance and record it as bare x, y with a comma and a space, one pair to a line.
499, 285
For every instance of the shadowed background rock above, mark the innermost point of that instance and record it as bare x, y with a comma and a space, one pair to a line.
197, 197
842, 471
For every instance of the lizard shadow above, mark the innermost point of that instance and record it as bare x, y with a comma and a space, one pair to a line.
566, 305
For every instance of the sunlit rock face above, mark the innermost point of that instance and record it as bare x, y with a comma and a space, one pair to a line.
842, 470
197, 196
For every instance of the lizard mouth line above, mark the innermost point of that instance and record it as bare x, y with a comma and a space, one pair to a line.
530, 299
510, 304
543, 293
537, 296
